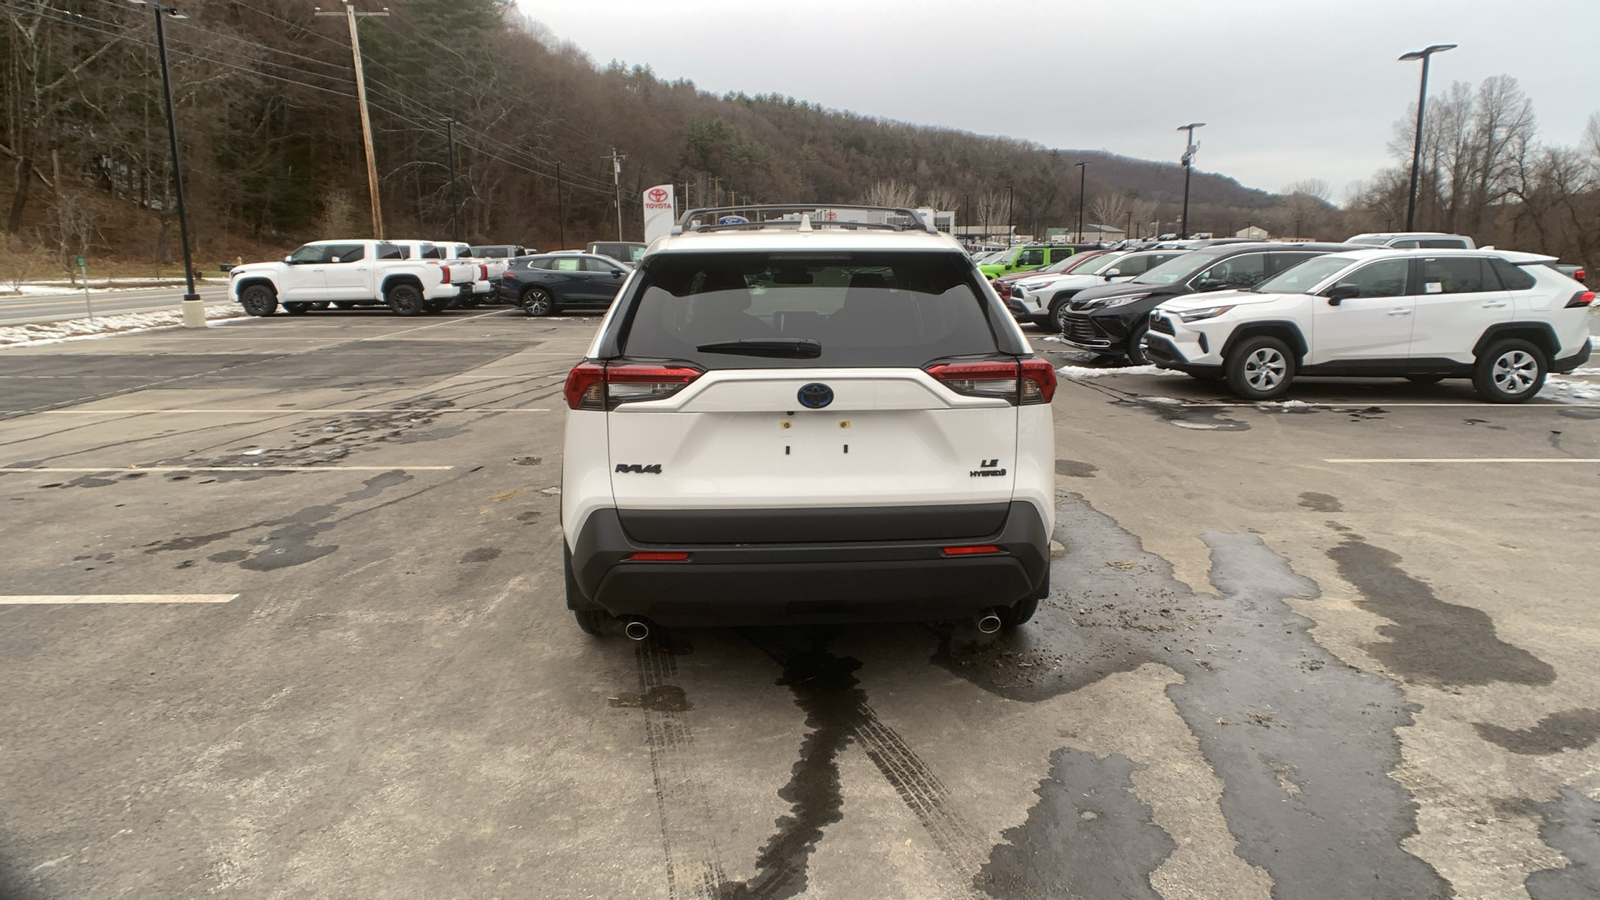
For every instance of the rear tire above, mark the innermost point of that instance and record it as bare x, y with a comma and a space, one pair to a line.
538, 302
1260, 368
259, 300
405, 300
1510, 371
1021, 612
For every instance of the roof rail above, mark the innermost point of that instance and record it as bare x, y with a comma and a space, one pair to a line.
773, 215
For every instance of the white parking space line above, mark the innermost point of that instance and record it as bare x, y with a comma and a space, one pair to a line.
1482, 459
280, 412
6, 470
57, 599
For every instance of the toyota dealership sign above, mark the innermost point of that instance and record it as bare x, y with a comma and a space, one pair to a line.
660, 211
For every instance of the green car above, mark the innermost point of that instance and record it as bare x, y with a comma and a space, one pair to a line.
1025, 259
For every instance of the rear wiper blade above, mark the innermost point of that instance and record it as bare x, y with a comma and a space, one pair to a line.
792, 348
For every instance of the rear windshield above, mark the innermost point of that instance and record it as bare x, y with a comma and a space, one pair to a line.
858, 309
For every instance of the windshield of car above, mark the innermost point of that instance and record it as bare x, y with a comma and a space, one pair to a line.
1301, 278
1181, 269
1099, 264
1056, 268
851, 309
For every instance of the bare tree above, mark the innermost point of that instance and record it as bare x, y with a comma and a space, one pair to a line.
939, 198
1109, 208
890, 193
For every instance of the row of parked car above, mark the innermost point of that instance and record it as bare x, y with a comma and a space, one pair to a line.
419, 277
1260, 314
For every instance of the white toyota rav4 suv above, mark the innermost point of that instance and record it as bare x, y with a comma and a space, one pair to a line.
1503, 319
792, 420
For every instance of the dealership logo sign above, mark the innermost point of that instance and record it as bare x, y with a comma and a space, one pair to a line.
658, 195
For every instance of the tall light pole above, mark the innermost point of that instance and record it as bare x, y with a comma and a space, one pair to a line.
1422, 99
455, 204
194, 310
1189, 150
352, 16
1011, 221
1083, 169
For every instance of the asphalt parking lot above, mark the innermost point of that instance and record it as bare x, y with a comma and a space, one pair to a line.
281, 615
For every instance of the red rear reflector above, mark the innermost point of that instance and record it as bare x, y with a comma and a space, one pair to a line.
1582, 298
659, 557
973, 550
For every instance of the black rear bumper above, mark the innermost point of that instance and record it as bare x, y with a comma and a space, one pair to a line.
811, 582
1563, 366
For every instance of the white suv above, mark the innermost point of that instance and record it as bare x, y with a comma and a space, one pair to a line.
799, 420
1503, 319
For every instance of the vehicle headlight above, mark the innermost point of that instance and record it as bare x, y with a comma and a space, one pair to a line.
1196, 315
1121, 301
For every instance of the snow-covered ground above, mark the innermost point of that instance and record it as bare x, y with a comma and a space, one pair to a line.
97, 285
33, 335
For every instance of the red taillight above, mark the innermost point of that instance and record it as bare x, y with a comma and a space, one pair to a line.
586, 388
659, 557
602, 386
483, 272
973, 550
1581, 298
1038, 381
1580, 275
1028, 382
444, 274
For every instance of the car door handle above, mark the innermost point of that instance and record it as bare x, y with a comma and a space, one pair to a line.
1399, 312
1494, 305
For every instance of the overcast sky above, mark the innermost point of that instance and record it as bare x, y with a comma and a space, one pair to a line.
1289, 89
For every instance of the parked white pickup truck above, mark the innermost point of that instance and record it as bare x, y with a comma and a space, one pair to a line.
344, 273
469, 276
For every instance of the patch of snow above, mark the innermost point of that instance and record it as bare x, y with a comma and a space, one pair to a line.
35, 334
1198, 426
1097, 372
256, 452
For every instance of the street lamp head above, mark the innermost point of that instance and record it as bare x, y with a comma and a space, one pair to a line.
1426, 52
1190, 126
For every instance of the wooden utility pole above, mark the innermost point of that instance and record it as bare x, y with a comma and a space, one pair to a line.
352, 16
616, 185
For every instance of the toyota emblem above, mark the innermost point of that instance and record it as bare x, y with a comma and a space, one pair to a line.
658, 195
815, 395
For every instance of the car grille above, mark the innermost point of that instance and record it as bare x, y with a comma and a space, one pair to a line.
1160, 323
1081, 329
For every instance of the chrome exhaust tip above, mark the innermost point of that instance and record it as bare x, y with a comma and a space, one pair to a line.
636, 629
989, 622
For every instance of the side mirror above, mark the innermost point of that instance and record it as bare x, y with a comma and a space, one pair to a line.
1113, 273
617, 273
333, 259
289, 260
1341, 292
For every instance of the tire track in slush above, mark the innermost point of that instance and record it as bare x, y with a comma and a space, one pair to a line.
683, 807
826, 689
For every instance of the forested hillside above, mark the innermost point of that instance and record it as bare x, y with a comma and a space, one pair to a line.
267, 117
